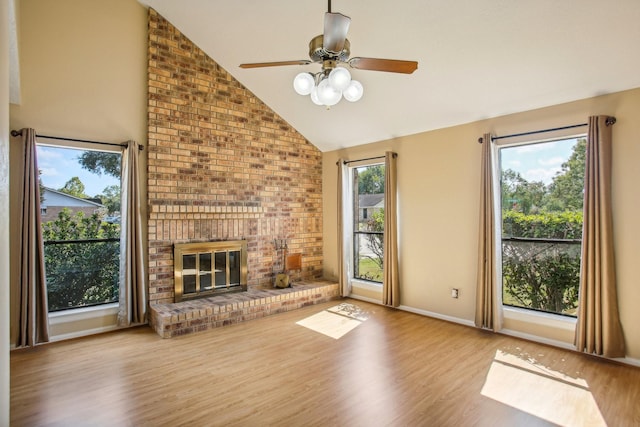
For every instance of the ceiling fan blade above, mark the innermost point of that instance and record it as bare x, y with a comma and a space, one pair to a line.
275, 64
389, 65
336, 26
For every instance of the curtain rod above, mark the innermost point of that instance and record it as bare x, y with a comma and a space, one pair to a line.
346, 162
610, 121
59, 138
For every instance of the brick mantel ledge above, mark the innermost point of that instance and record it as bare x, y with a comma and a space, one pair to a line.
186, 317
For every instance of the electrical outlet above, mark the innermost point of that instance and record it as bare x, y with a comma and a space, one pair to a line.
454, 293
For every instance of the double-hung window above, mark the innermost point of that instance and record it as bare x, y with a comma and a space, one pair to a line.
80, 195
540, 221
367, 228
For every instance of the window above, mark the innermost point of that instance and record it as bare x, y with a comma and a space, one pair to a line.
542, 189
80, 225
368, 222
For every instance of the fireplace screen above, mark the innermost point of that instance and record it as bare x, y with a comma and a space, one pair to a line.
205, 269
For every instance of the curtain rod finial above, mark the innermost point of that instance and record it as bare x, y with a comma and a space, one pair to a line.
16, 133
480, 140
610, 121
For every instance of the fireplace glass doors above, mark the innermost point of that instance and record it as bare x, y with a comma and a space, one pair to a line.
208, 268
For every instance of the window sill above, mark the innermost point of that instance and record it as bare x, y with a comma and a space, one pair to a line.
84, 313
363, 284
544, 319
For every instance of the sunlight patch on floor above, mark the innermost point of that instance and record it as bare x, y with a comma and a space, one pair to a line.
541, 392
335, 322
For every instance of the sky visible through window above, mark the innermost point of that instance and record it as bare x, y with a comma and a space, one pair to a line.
58, 165
537, 162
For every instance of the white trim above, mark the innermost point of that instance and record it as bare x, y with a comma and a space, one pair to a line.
365, 299
363, 284
419, 311
539, 318
83, 333
566, 346
629, 361
538, 339
558, 135
435, 315
84, 313
529, 337
78, 315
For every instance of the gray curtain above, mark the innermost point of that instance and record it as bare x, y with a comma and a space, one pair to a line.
33, 317
487, 300
343, 218
390, 280
598, 329
133, 287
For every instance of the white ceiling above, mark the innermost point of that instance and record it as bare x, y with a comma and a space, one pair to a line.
477, 58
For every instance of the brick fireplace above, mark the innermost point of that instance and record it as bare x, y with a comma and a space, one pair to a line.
223, 166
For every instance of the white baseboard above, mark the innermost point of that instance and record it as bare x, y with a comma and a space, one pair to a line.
365, 299
419, 311
538, 339
629, 361
451, 319
564, 345
516, 334
77, 334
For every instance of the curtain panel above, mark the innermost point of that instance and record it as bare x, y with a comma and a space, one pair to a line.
598, 328
133, 287
390, 280
33, 320
487, 299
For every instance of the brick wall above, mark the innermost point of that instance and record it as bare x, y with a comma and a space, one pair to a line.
223, 166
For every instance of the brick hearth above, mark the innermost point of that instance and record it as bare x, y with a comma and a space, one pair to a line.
174, 319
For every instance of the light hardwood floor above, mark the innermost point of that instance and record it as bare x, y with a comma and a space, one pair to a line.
394, 369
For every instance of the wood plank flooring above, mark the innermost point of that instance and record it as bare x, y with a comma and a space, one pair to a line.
393, 369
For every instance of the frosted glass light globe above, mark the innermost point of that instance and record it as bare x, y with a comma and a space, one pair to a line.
327, 94
339, 78
303, 83
354, 92
314, 96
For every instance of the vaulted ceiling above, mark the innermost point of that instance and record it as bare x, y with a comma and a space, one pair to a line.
477, 58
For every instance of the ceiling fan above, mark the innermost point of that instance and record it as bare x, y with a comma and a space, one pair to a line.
332, 48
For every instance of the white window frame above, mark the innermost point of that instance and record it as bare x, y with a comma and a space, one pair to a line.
521, 314
62, 317
349, 221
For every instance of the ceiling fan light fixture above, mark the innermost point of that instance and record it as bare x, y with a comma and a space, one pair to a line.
303, 83
354, 91
340, 78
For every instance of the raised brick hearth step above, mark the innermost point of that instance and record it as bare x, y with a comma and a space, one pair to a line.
170, 320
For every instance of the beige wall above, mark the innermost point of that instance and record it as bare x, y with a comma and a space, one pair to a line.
83, 74
438, 193
4, 213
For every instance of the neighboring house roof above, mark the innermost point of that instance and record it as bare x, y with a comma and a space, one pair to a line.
53, 197
371, 200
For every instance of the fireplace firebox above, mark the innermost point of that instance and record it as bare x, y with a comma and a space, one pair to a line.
209, 268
